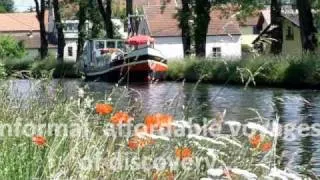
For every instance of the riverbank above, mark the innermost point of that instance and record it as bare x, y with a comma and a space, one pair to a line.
288, 72
30, 68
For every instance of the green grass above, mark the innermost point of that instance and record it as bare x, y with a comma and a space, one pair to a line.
35, 68
87, 157
265, 70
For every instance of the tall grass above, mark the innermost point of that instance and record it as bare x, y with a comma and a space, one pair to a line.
286, 71
87, 155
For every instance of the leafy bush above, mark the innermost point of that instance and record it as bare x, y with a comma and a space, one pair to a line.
10, 48
265, 70
3, 73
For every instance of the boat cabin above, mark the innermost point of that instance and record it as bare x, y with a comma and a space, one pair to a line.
96, 52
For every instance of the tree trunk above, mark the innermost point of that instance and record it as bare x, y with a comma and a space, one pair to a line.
81, 28
106, 12
308, 29
276, 33
95, 18
202, 20
40, 9
59, 27
129, 7
184, 18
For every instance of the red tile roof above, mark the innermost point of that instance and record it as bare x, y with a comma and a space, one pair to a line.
249, 21
19, 22
141, 3
163, 23
222, 25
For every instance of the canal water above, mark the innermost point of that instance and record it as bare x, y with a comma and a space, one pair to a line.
293, 107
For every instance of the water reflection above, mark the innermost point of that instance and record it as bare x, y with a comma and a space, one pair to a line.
204, 101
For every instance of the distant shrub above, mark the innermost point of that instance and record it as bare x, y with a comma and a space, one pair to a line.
283, 71
11, 48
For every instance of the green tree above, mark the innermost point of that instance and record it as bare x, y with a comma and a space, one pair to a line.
40, 9
59, 27
184, 17
105, 8
6, 6
96, 19
307, 26
83, 7
10, 48
129, 7
276, 24
202, 10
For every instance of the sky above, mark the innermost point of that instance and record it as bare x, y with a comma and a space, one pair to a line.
22, 5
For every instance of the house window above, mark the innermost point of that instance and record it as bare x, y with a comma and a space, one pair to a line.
290, 34
70, 51
216, 52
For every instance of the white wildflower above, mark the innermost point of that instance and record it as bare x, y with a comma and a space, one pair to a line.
212, 153
215, 172
230, 141
181, 124
233, 123
244, 173
260, 128
262, 166
146, 135
81, 92
202, 138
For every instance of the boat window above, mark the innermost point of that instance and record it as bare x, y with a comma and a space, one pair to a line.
111, 44
121, 45
99, 44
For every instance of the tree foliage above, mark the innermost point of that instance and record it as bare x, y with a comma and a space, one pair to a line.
10, 48
6, 6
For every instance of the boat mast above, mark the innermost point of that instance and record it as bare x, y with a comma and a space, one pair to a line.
134, 22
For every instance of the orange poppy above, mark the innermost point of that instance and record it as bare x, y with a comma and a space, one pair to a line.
135, 143
121, 117
104, 109
255, 140
183, 153
158, 120
266, 147
168, 175
39, 140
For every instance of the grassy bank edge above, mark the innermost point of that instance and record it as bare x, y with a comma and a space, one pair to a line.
283, 71
271, 71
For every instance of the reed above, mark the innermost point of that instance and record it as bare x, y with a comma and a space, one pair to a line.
67, 152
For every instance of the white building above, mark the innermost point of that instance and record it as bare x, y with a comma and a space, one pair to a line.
71, 34
223, 37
